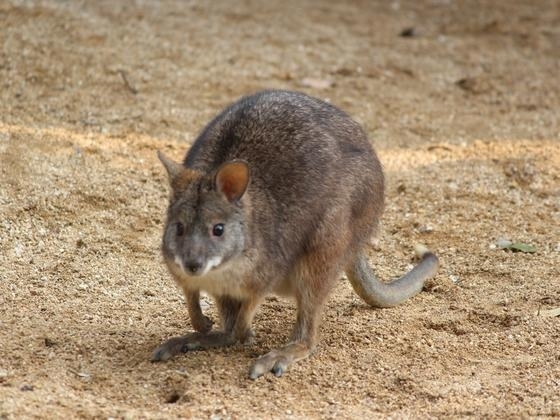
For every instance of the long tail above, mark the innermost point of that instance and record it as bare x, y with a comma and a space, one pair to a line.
384, 295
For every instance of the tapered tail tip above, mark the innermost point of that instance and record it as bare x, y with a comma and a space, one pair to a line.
421, 250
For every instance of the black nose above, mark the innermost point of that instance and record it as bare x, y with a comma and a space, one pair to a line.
193, 266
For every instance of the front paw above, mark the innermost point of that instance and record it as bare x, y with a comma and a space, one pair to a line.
246, 337
189, 342
203, 324
170, 348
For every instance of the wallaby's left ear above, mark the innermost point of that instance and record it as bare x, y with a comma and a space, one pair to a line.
232, 179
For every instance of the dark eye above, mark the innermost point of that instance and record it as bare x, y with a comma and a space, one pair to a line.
218, 230
180, 229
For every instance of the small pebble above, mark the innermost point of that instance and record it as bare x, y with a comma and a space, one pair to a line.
49, 342
503, 243
426, 229
317, 83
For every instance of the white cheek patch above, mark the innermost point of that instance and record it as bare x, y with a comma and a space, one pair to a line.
211, 263
214, 262
179, 262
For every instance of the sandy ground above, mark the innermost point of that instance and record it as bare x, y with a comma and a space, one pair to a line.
464, 112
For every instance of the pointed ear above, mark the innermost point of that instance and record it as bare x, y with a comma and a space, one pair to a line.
179, 176
173, 168
232, 179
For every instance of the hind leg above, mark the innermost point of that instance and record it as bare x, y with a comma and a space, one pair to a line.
314, 276
310, 297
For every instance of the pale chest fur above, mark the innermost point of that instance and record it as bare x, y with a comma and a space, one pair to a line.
230, 279
235, 279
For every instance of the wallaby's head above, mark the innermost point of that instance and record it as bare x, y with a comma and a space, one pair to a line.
205, 225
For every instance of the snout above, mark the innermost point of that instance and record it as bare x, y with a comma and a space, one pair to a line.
193, 266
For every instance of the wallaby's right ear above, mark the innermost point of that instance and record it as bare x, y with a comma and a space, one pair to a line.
179, 176
173, 168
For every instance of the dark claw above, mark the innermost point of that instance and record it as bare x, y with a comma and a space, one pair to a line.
253, 375
277, 370
160, 355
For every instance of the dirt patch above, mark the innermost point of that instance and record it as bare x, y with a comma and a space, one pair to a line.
460, 99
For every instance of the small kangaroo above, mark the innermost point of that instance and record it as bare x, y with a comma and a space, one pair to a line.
279, 194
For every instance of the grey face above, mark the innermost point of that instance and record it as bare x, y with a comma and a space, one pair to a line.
203, 231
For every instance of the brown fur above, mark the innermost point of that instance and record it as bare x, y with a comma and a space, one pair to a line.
280, 193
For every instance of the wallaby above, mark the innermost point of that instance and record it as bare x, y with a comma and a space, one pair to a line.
279, 194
